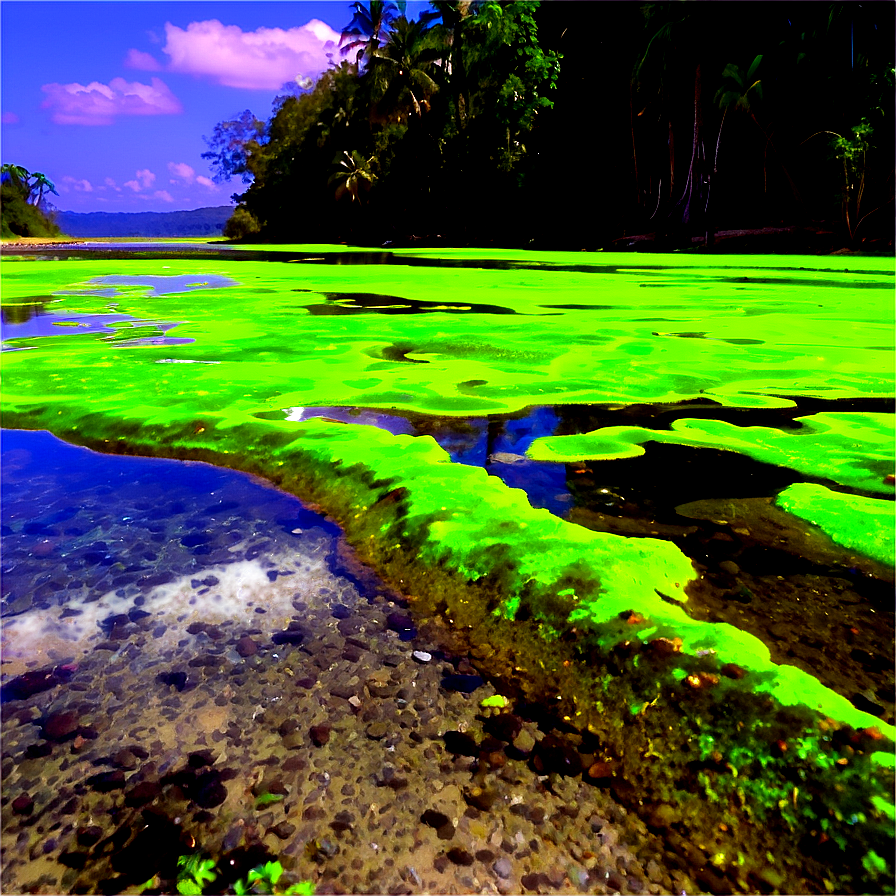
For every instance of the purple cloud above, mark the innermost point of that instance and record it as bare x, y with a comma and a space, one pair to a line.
9, 118
98, 104
144, 62
263, 59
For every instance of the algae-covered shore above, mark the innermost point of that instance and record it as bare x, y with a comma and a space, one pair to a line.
713, 718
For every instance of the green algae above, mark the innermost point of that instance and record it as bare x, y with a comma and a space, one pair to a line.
619, 351
853, 449
862, 524
499, 567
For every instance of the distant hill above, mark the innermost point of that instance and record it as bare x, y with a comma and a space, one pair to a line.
198, 222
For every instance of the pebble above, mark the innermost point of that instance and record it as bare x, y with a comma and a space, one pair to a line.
421, 656
377, 730
503, 867
60, 725
246, 646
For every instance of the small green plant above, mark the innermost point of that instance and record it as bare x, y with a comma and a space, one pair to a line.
264, 879
195, 872
265, 799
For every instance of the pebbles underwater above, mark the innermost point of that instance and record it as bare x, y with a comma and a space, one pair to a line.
194, 663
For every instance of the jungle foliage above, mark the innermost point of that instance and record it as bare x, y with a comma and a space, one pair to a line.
569, 124
21, 199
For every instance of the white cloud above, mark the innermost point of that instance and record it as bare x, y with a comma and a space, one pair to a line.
141, 61
263, 59
70, 184
98, 104
206, 182
181, 171
144, 179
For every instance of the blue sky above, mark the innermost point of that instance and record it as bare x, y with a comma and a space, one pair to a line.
111, 99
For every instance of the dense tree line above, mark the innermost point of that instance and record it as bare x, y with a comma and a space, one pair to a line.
574, 123
21, 197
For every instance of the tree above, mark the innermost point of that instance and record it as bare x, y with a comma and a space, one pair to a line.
231, 144
369, 26
352, 175
18, 216
403, 67
41, 184
733, 94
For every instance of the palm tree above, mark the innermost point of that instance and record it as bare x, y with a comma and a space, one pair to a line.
352, 174
369, 26
455, 15
18, 175
42, 184
733, 94
404, 65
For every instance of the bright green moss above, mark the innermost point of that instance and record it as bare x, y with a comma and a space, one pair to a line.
855, 449
861, 524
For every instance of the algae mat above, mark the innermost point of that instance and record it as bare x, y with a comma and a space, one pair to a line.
199, 358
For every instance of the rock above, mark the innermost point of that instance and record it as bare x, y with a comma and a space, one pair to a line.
60, 725
505, 726
287, 727
730, 567
460, 743
531, 881
730, 670
320, 734
435, 819
506, 457
460, 856
503, 867
246, 646
554, 755
464, 684
421, 656
600, 770
377, 730
615, 881
142, 793
29, 683
343, 821
294, 634
125, 759
23, 805
284, 830
480, 798
106, 782
89, 835
524, 742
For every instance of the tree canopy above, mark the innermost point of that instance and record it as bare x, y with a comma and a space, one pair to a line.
22, 210
571, 124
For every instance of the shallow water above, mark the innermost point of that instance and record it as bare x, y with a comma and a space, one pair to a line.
192, 657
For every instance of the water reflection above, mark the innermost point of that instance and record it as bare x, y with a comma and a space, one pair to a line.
497, 443
161, 285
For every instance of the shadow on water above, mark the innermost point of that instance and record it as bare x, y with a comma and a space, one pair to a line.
244, 252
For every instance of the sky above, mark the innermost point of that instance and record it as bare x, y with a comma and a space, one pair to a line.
111, 100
